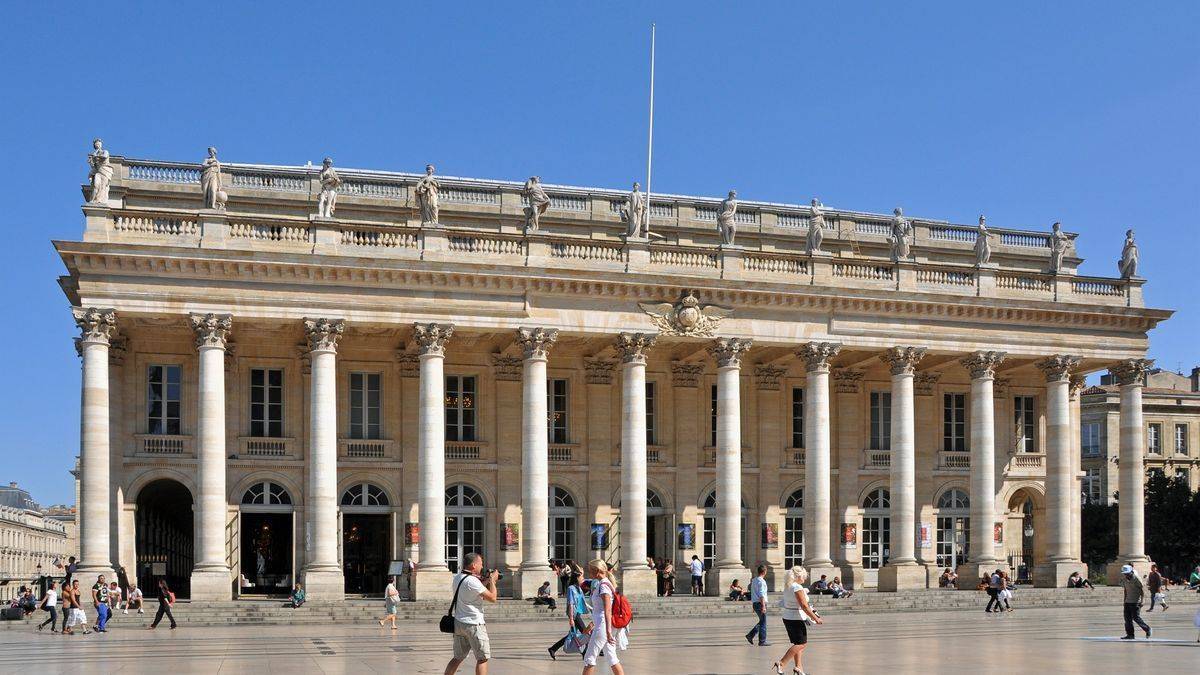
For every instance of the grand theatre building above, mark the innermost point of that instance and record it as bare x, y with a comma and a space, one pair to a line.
306, 374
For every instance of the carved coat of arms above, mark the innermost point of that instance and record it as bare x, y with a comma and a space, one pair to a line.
685, 317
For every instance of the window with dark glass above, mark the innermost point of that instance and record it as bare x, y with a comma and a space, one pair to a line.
556, 410
364, 405
1025, 422
163, 400
460, 408
881, 420
712, 416
1090, 441
266, 402
954, 422
797, 417
650, 416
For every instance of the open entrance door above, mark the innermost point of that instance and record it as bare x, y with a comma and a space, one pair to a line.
266, 546
365, 552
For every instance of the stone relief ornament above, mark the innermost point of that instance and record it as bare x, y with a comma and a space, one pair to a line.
847, 381
901, 232
725, 225
599, 371
323, 334
983, 247
330, 182
634, 213
100, 172
506, 368
210, 182
408, 363
767, 376
685, 317
212, 330
536, 342
1128, 263
686, 374
816, 227
426, 191
1058, 247
925, 383
431, 338
539, 201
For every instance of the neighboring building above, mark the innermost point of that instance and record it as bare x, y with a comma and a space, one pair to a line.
69, 517
279, 396
30, 541
1171, 414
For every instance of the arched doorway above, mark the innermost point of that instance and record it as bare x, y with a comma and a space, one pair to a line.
563, 527
164, 529
660, 525
465, 512
366, 540
267, 534
876, 533
793, 529
953, 528
708, 510
1022, 541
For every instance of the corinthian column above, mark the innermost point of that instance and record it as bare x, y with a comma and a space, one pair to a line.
1059, 492
902, 571
728, 354
210, 576
433, 577
1131, 470
535, 468
982, 367
816, 357
322, 572
636, 577
96, 327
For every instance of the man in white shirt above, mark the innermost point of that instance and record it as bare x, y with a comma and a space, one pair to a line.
134, 599
697, 567
470, 631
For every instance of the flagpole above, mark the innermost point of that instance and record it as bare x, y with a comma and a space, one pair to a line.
650, 140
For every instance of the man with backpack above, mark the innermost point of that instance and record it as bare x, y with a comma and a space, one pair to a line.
471, 589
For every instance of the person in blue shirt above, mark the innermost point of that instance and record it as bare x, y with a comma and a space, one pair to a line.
758, 600
577, 610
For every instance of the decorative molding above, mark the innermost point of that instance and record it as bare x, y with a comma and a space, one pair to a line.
767, 376
632, 347
212, 330
686, 374
305, 355
847, 381
982, 365
599, 371
729, 351
902, 360
1058, 367
431, 338
925, 382
536, 342
409, 363
95, 325
506, 368
686, 316
1000, 387
231, 350
1131, 371
323, 334
816, 355
118, 347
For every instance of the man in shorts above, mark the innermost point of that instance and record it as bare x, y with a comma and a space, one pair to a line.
470, 632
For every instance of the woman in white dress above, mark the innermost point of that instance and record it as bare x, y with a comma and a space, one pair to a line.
796, 611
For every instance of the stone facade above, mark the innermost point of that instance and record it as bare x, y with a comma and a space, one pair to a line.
30, 542
313, 384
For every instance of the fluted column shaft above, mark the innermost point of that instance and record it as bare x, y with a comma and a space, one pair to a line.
729, 466
322, 508
981, 367
1131, 469
1059, 492
211, 335
903, 361
96, 326
535, 469
817, 454
633, 347
431, 445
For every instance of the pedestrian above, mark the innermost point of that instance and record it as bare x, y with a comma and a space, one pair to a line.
603, 640
545, 597
298, 597
576, 611
1135, 595
134, 599
993, 591
669, 578
165, 600
697, 567
1157, 587
1194, 580
114, 599
78, 618
49, 600
796, 614
758, 601
72, 566
391, 599
1006, 592
472, 587
100, 603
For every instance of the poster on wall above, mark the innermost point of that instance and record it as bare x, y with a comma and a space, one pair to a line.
849, 535
599, 537
510, 536
770, 535
412, 534
924, 536
998, 533
686, 536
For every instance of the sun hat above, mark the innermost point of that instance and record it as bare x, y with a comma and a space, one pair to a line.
1127, 569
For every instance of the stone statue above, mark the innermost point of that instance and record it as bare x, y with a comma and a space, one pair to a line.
816, 226
983, 247
634, 213
1058, 247
330, 182
1129, 257
539, 201
901, 230
210, 181
426, 191
100, 173
725, 225
1018, 438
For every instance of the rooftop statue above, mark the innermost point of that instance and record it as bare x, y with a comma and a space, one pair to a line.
1058, 247
725, 225
210, 181
100, 172
330, 182
816, 226
539, 201
901, 231
983, 247
634, 213
1129, 257
426, 191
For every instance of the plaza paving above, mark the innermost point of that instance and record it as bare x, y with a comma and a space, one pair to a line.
1062, 640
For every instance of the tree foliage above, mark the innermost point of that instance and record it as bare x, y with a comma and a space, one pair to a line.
1172, 519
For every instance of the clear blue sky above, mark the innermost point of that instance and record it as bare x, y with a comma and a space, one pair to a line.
1028, 113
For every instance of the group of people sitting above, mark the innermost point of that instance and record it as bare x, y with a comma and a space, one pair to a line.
948, 579
821, 586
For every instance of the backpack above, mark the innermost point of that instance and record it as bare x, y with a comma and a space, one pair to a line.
622, 611
171, 596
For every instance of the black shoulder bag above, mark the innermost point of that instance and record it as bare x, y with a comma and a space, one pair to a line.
446, 625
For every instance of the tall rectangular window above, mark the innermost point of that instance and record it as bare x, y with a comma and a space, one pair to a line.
1181, 439
1090, 439
1025, 421
651, 435
797, 417
266, 402
163, 400
556, 410
712, 417
881, 420
460, 408
954, 422
1091, 486
364, 405
1154, 439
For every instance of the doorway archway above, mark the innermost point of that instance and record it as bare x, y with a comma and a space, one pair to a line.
708, 510
267, 534
366, 538
1023, 541
164, 536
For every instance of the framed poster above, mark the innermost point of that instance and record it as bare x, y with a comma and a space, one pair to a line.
849, 535
510, 536
998, 533
412, 534
770, 535
686, 536
599, 537
924, 536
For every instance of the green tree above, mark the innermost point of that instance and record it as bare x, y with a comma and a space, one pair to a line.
1172, 524
1098, 534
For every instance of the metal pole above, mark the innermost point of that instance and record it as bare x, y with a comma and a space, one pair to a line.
650, 141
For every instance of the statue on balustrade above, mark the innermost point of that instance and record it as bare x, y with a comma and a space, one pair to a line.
1058, 247
1129, 257
901, 231
330, 182
816, 226
539, 201
210, 181
100, 173
983, 247
634, 213
725, 225
426, 191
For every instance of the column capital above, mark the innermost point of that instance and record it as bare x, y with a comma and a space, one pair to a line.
982, 365
96, 325
633, 346
767, 376
816, 355
536, 342
728, 351
431, 338
686, 374
212, 330
323, 334
1058, 367
599, 371
847, 380
903, 360
1131, 371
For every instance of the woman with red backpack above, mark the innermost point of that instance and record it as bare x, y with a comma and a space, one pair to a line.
610, 617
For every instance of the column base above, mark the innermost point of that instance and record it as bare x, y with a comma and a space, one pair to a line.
1113, 571
853, 576
639, 582
816, 570
527, 582
1054, 574
324, 585
717, 580
432, 583
971, 573
902, 578
215, 585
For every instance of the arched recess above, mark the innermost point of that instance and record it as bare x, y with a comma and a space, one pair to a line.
660, 520
164, 531
877, 525
266, 533
367, 522
466, 522
1024, 523
793, 527
238, 490
708, 514
564, 523
952, 518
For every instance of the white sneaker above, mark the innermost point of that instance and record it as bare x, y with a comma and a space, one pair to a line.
124, 611
141, 611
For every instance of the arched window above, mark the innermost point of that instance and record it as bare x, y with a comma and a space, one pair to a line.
954, 499
879, 498
463, 495
876, 529
464, 523
267, 493
953, 528
364, 494
793, 529
562, 524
